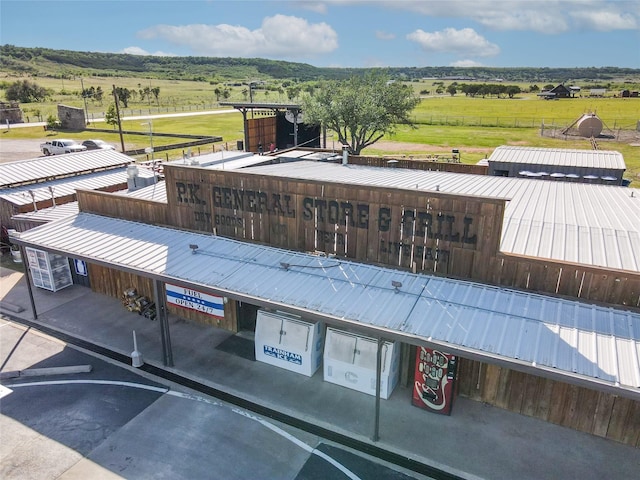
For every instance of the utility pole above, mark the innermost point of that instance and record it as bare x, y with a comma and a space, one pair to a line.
84, 97
115, 96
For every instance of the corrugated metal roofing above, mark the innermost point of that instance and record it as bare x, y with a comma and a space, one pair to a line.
603, 159
50, 214
210, 158
225, 160
576, 341
156, 192
570, 222
38, 169
67, 186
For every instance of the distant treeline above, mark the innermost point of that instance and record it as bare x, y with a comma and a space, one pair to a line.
68, 63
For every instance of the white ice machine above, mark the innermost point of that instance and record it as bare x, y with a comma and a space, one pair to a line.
288, 342
350, 361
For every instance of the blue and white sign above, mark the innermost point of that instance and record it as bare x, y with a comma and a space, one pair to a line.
283, 354
81, 267
194, 300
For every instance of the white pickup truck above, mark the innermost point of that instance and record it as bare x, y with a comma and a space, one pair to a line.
56, 147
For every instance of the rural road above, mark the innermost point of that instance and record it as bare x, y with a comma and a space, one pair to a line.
140, 117
12, 150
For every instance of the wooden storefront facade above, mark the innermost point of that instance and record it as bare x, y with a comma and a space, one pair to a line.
424, 232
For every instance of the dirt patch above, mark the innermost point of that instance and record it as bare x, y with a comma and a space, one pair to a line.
12, 150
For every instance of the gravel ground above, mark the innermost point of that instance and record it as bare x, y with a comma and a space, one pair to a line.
11, 150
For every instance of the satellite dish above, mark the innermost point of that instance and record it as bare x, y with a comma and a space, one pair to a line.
290, 117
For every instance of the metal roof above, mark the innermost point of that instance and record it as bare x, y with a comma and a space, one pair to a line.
156, 192
224, 160
47, 168
602, 159
49, 214
596, 225
210, 158
67, 186
569, 340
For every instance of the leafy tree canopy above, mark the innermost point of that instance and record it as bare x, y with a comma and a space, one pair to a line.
26, 92
361, 110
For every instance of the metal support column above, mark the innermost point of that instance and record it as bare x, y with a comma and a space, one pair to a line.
160, 297
27, 274
376, 428
245, 126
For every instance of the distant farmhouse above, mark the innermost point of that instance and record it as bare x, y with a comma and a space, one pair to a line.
557, 92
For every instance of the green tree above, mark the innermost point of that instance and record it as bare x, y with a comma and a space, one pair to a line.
293, 92
25, 91
124, 94
52, 122
111, 115
452, 90
513, 90
361, 110
156, 94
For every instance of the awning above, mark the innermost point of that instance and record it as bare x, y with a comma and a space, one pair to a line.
590, 345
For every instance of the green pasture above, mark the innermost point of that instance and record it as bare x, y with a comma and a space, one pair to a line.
526, 110
475, 126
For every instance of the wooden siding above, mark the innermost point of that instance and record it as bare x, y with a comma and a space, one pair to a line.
415, 230
579, 408
113, 283
120, 206
261, 131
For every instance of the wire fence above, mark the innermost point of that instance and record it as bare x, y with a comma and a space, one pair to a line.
511, 122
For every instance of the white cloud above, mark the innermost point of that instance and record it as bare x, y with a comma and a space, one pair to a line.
466, 63
465, 42
313, 6
380, 35
542, 16
279, 36
524, 20
605, 21
141, 51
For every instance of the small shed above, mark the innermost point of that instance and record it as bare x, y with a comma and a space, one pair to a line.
558, 164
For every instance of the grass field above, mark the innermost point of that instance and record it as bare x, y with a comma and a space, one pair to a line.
475, 126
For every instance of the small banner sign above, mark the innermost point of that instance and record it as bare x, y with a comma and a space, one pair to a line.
194, 300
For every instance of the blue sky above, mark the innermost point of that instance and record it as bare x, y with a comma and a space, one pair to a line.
340, 33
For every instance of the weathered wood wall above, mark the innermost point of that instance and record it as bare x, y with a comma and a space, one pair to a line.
113, 283
590, 411
412, 229
121, 206
570, 280
261, 131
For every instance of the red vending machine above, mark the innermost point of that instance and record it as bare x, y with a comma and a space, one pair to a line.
433, 382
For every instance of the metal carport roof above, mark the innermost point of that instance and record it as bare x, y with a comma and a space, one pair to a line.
580, 343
